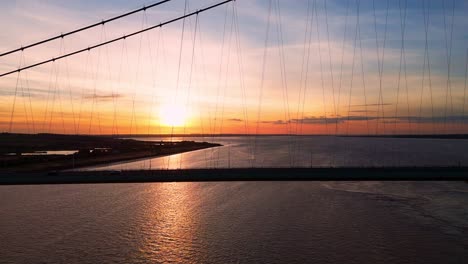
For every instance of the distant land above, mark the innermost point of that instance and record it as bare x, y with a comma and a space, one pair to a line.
435, 136
47, 152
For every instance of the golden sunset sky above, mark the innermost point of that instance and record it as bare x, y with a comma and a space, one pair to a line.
320, 68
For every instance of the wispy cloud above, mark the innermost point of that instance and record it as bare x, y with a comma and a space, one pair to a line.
388, 119
102, 97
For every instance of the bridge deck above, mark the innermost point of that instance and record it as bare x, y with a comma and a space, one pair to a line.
241, 174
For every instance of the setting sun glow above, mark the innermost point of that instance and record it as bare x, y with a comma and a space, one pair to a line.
173, 115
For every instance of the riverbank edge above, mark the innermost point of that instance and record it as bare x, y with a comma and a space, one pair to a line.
240, 174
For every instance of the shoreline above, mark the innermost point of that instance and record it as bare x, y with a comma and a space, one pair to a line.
241, 174
91, 151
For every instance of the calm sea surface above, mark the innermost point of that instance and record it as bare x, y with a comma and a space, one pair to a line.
316, 151
249, 222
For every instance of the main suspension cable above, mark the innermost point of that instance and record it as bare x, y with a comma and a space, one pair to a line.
119, 38
62, 35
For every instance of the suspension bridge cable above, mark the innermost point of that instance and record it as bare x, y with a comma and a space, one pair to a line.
134, 118
123, 52
342, 60
23, 95
352, 67
154, 68
321, 73
199, 97
306, 78
62, 35
287, 115
241, 77
178, 74
448, 48
119, 38
406, 72
57, 73
333, 159
70, 95
363, 75
262, 80
56, 92
226, 83
28, 86
218, 83
426, 30
49, 89
165, 67
380, 62
85, 80
14, 99
402, 47
95, 80
423, 69
304, 49
330, 64
463, 119
111, 80
187, 102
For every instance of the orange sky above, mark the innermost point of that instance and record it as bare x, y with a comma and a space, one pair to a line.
327, 83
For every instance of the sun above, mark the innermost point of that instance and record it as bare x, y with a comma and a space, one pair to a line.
173, 115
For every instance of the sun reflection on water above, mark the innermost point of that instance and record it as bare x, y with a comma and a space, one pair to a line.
172, 221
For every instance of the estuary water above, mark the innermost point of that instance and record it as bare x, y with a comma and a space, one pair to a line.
306, 151
249, 222
235, 222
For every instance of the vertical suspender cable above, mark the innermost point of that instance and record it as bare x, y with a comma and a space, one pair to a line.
241, 80
114, 130
306, 75
218, 85
380, 62
178, 72
361, 59
23, 95
190, 79
342, 61
402, 45
44, 123
10, 126
331, 65
86, 70
321, 72
448, 48
262, 80
352, 67
464, 89
226, 84
299, 100
133, 119
403, 53
463, 118
94, 96
284, 80
30, 102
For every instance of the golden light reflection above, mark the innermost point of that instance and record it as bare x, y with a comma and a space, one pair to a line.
173, 222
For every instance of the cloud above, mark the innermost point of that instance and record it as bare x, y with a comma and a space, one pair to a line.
361, 105
362, 111
102, 97
235, 120
277, 122
388, 119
